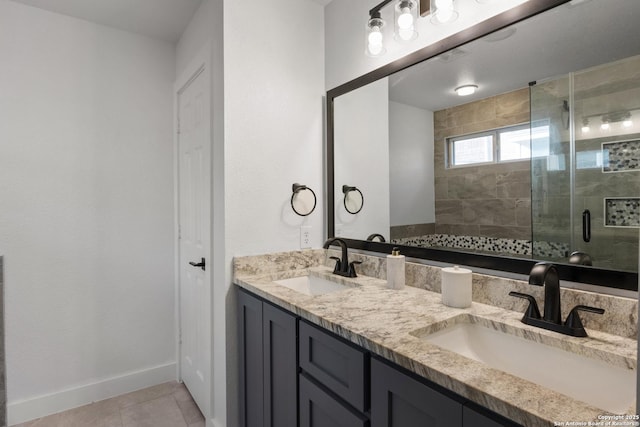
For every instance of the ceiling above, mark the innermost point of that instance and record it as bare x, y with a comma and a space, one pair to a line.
160, 19
571, 37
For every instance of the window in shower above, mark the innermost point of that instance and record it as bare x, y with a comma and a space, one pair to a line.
507, 144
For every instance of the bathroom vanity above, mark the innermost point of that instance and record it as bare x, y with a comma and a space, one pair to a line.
359, 354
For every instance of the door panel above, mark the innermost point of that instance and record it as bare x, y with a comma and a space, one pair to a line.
194, 197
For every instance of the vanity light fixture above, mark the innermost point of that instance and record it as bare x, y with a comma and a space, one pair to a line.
443, 11
585, 125
375, 45
406, 15
615, 119
466, 90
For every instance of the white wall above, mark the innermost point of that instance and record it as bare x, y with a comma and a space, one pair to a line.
273, 121
86, 209
346, 22
361, 159
273, 104
273, 126
411, 179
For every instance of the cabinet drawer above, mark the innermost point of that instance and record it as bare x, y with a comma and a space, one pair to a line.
340, 367
319, 409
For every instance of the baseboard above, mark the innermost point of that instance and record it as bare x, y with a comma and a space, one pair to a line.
29, 409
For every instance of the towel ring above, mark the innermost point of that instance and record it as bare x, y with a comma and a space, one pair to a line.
353, 199
303, 199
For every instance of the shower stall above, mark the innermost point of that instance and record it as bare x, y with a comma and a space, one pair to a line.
585, 172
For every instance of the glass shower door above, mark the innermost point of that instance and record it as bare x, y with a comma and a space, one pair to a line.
606, 112
585, 189
551, 219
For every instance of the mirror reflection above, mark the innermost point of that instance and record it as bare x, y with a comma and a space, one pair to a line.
540, 158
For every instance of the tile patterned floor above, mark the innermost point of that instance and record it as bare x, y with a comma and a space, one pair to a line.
164, 405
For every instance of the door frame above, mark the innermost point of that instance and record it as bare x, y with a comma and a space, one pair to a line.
200, 64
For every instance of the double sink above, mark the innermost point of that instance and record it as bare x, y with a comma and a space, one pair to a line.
522, 351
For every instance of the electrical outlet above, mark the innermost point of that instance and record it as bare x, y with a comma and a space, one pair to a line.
305, 237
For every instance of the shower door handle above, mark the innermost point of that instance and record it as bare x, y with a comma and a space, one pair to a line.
586, 225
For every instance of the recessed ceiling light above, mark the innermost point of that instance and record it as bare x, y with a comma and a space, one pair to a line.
466, 90
497, 36
575, 3
452, 54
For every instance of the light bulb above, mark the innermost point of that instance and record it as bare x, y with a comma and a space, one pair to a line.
444, 15
375, 36
405, 20
444, 11
627, 123
375, 49
405, 34
604, 126
466, 90
586, 129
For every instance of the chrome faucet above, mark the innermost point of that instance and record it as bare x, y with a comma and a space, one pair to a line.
545, 274
342, 267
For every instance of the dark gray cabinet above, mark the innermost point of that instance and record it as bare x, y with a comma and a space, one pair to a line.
398, 400
474, 418
268, 364
320, 409
251, 375
296, 373
338, 365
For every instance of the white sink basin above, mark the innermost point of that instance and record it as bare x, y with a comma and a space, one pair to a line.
311, 285
607, 387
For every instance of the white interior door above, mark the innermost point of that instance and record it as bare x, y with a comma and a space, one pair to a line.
194, 197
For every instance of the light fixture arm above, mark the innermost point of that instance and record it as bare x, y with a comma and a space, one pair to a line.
376, 9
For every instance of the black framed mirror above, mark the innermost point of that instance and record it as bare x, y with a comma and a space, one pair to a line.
564, 81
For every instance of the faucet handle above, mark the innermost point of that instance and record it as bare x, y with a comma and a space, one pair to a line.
573, 319
338, 263
532, 311
352, 268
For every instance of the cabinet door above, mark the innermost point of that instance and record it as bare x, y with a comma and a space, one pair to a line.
280, 367
319, 409
250, 360
398, 400
473, 418
339, 366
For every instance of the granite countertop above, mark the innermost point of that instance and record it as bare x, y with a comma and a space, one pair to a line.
389, 323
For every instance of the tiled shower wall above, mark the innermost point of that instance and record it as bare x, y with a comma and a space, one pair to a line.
488, 200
